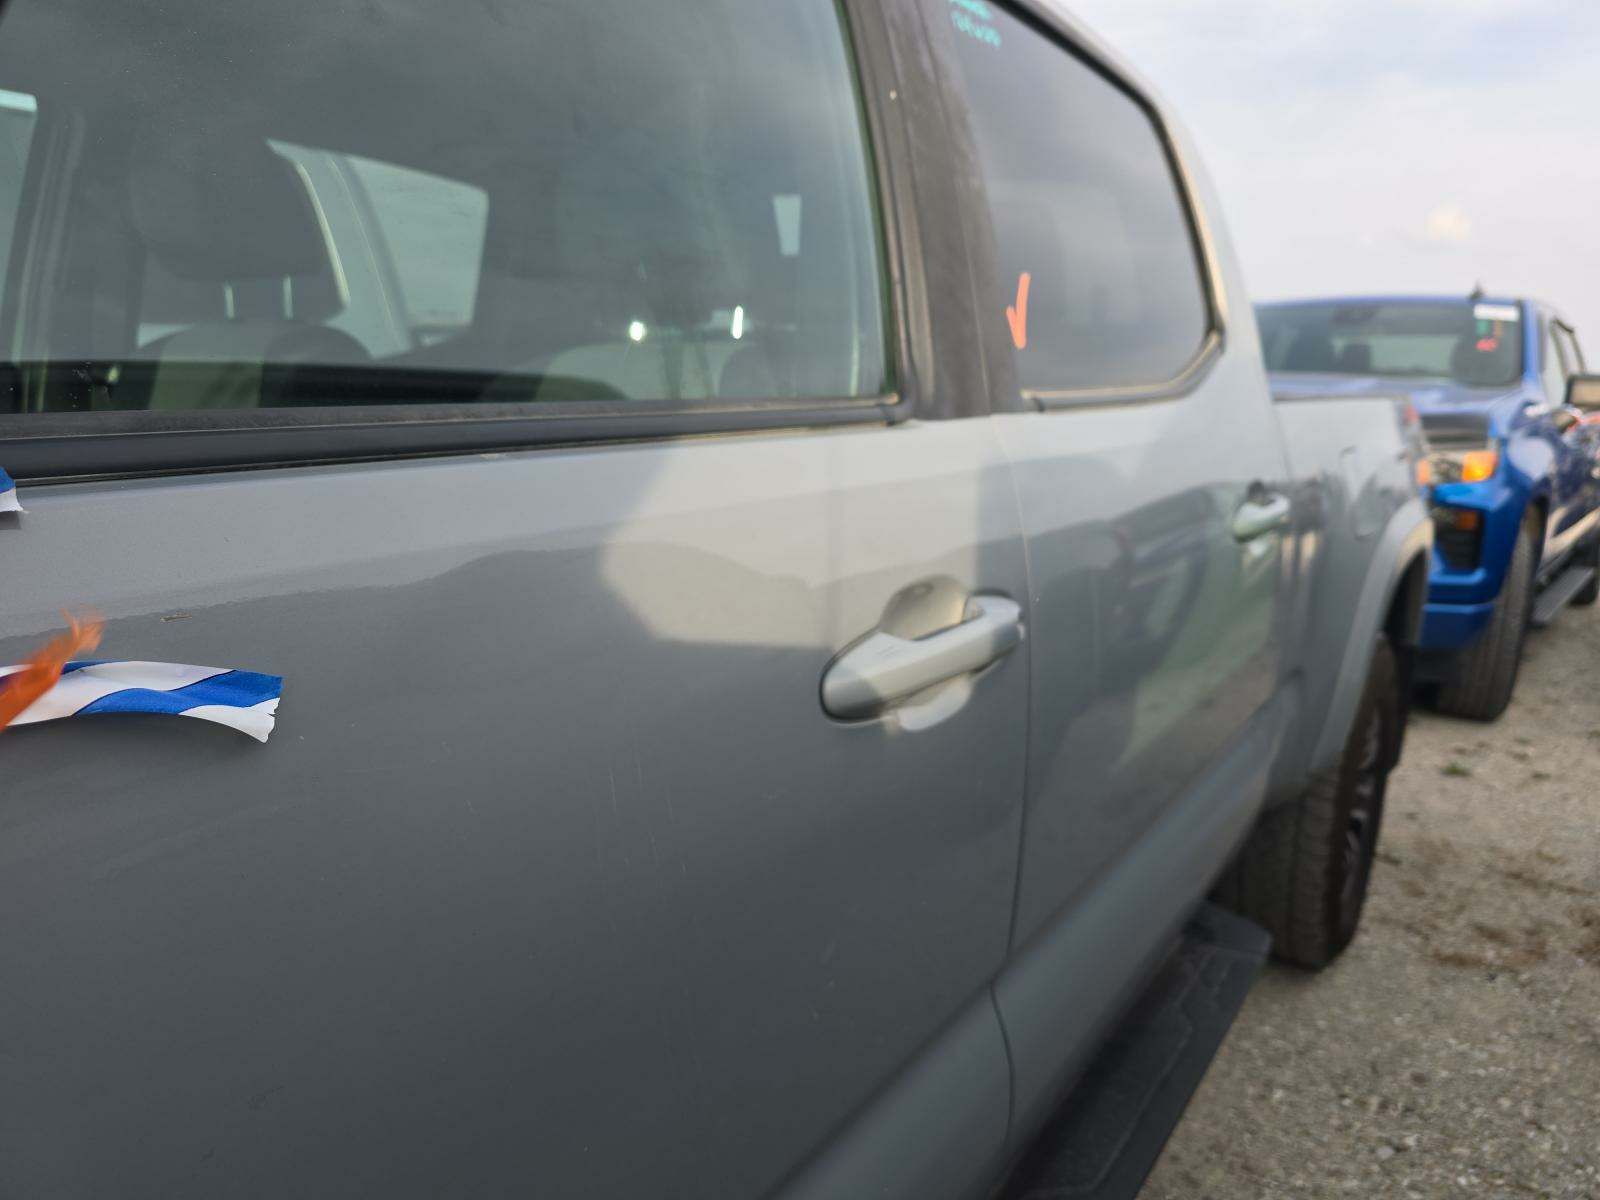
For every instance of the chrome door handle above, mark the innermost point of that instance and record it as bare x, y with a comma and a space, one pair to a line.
1260, 515
882, 669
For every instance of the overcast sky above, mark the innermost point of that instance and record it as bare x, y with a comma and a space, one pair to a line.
1390, 145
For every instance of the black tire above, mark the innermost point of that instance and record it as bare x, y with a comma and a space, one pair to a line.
1486, 671
1304, 873
1590, 558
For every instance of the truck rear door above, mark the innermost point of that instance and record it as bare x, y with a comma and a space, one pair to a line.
1151, 481
381, 348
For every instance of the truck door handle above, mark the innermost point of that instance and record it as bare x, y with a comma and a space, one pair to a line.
1261, 514
883, 668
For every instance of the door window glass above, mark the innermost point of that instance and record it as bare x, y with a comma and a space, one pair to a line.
1096, 250
555, 200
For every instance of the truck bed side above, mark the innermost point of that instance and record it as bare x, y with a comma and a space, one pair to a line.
1362, 546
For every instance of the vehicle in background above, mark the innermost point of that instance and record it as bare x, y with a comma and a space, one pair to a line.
1512, 474
792, 587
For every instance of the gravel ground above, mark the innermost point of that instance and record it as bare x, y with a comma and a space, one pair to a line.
1455, 1049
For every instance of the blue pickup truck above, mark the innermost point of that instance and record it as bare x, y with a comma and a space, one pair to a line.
1512, 475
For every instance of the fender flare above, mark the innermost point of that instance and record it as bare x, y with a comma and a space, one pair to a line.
1400, 556
1538, 500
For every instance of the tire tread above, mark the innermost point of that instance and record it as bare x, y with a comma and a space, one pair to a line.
1283, 878
1488, 668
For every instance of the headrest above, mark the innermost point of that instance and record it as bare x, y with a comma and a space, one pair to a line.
1356, 358
1310, 351
219, 211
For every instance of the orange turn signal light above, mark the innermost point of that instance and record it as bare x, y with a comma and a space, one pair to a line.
1478, 465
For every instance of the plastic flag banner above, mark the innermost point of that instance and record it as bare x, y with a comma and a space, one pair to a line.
241, 700
8, 494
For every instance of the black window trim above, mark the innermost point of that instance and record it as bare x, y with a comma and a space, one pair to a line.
78, 456
1551, 325
1572, 339
1549, 345
47, 448
1072, 40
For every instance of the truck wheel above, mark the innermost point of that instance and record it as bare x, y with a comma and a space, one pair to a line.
1487, 669
1304, 873
1590, 558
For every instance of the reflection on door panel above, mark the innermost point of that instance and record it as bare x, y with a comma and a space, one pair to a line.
1183, 624
555, 869
1173, 584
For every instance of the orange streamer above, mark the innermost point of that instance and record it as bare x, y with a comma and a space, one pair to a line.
43, 669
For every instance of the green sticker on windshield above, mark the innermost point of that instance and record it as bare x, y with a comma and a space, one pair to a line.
975, 19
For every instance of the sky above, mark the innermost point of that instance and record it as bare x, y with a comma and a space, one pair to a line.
1389, 145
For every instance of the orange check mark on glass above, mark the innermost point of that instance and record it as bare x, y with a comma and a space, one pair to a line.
1017, 315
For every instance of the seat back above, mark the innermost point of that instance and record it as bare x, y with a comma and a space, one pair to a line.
233, 215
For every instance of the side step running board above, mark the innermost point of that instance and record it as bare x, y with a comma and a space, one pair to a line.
1559, 594
1107, 1136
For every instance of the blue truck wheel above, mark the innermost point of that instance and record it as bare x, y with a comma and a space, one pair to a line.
1486, 671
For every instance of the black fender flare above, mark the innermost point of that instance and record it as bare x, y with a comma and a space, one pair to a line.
1396, 573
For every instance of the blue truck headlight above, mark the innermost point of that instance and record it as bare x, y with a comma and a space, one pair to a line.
1463, 466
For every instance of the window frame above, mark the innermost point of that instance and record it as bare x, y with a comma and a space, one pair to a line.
1551, 354
1566, 336
1051, 25
61, 447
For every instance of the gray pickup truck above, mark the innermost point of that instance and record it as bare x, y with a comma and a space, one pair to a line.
797, 609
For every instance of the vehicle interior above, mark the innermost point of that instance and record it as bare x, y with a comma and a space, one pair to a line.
335, 220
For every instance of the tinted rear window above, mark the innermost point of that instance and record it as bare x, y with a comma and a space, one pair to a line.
1098, 261
1475, 344
314, 202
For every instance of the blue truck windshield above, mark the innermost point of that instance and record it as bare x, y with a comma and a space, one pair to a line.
1479, 345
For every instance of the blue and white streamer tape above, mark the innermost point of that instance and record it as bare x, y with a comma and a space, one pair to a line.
241, 700
8, 493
